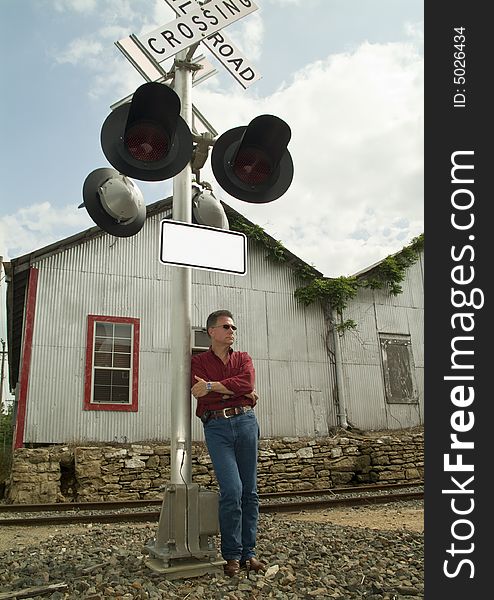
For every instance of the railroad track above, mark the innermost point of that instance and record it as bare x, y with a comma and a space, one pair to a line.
314, 500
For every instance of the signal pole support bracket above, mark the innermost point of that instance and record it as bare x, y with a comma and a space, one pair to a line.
184, 545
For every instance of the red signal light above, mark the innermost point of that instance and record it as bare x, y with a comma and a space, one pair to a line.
147, 138
147, 142
252, 163
252, 166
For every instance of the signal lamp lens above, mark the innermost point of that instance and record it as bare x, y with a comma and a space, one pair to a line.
252, 166
147, 142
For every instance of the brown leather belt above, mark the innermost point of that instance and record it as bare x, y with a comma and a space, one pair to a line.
228, 413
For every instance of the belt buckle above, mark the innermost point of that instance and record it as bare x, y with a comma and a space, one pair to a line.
225, 415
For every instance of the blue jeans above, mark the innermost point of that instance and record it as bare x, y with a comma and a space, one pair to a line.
232, 444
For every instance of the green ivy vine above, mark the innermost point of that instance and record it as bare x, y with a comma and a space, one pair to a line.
392, 270
275, 249
389, 274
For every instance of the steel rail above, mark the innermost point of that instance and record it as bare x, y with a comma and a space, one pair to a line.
336, 502
343, 490
122, 504
264, 508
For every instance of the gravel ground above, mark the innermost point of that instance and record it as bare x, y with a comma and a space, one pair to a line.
309, 558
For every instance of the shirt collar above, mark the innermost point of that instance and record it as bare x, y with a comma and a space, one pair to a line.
230, 351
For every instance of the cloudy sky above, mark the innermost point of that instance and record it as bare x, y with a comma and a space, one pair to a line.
347, 75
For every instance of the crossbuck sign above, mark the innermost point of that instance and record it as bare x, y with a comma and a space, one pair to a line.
169, 39
244, 71
196, 23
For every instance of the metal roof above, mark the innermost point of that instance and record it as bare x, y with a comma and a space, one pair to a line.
24, 261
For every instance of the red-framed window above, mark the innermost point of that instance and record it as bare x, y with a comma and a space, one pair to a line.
112, 363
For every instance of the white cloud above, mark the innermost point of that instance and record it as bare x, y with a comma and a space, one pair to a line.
109, 70
415, 31
39, 225
108, 10
81, 50
357, 135
80, 6
286, 2
249, 36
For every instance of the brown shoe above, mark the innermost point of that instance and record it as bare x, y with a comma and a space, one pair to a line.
232, 567
253, 564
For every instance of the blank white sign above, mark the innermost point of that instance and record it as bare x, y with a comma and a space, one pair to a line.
202, 247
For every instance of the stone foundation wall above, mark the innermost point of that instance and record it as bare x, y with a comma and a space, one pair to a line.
138, 471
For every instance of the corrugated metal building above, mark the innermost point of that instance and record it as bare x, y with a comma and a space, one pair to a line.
383, 359
89, 343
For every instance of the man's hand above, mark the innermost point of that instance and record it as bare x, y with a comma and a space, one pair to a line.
253, 396
199, 389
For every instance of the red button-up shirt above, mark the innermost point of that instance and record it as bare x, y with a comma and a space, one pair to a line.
237, 375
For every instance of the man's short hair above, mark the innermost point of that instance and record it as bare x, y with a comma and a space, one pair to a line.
213, 317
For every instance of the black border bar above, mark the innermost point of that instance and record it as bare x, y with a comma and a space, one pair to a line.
458, 292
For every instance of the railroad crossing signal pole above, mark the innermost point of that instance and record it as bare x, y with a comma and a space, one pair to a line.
183, 545
181, 446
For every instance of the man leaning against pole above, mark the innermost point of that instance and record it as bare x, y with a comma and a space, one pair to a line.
223, 382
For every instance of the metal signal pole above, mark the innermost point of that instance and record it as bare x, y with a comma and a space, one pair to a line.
184, 544
181, 446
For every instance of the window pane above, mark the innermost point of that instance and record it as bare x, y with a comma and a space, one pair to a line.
121, 345
120, 395
123, 330
102, 359
121, 360
120, 378
102, 393
102, 377
102, 344
400, 382
104, 329
201, 339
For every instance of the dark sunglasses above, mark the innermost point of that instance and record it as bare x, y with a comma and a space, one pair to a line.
225, 326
